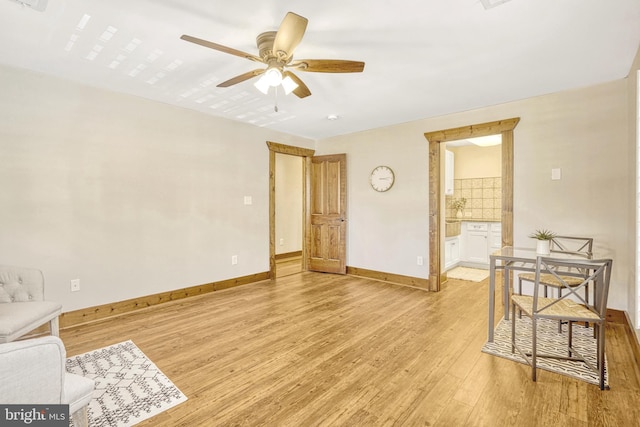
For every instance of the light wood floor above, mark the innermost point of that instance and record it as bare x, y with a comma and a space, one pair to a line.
319, 349
288, 266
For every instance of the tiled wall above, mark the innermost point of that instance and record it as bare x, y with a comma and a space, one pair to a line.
484, 198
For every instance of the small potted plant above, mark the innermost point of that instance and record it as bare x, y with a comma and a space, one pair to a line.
458, 205
543, 237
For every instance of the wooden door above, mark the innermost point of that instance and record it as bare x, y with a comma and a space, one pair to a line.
327, 249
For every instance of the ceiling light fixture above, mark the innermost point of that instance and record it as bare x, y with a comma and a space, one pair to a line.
490, 4
333, 117
486, 141
273, 78
288, 85
39, 5
262, 85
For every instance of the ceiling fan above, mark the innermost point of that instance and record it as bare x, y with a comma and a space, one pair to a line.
276, 51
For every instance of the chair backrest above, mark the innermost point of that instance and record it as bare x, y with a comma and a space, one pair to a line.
21, 284
588, 271
570, 244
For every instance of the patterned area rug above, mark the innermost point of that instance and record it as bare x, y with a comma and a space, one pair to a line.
129, 387
549, 342
466, 273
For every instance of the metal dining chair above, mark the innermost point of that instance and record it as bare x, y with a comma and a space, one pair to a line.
575, 309
565, 244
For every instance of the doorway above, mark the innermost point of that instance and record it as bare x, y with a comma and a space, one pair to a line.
305, 155
324, 209
289, 214
436, 185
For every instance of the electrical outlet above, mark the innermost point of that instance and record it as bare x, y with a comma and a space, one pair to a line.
75, 285
420, 260
281, 242
234, 259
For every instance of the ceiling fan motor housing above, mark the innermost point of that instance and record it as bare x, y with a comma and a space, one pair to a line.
265, 45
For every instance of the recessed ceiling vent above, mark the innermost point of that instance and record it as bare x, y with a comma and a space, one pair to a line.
39, 5
490, 4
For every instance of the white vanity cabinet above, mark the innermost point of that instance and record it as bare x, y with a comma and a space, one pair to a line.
495, 237
480, 239
451, 252
477, 246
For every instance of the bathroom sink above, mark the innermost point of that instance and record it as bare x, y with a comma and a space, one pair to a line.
451, 228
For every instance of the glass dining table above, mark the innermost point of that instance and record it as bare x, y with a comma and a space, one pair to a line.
510, 258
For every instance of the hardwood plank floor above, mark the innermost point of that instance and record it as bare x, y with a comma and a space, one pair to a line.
288, 266
318, 349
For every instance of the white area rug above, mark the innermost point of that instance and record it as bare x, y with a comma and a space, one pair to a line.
129, 387
466, 273
549, 342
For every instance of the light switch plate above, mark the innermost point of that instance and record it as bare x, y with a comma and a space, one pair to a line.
556, 174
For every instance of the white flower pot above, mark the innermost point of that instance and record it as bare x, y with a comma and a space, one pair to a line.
543, 247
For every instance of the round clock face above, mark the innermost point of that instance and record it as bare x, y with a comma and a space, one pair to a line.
382, 178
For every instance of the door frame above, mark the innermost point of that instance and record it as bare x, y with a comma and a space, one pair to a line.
306, 154
436, 195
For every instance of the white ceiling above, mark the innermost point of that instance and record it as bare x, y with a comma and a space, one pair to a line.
423, 58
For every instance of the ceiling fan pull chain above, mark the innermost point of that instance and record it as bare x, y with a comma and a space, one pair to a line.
275, 107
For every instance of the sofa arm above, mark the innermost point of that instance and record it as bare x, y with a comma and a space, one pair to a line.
32, 371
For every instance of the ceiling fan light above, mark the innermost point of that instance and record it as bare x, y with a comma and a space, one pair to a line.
486, 141
263, 84
289, 85
273, 76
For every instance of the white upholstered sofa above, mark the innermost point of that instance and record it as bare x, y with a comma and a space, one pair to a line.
22, 304
33, 371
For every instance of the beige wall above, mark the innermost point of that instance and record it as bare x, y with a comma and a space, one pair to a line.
477, 162
289, 201
583, 132
130, 196
633, 163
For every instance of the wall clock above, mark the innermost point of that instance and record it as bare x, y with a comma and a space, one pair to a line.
382, 178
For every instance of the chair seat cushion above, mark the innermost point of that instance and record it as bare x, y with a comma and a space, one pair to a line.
563, 309
551, 280
18, 318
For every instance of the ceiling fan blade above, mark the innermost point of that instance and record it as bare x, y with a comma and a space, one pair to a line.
241, 78
221, 48
302, 91
328, 65
289, 35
